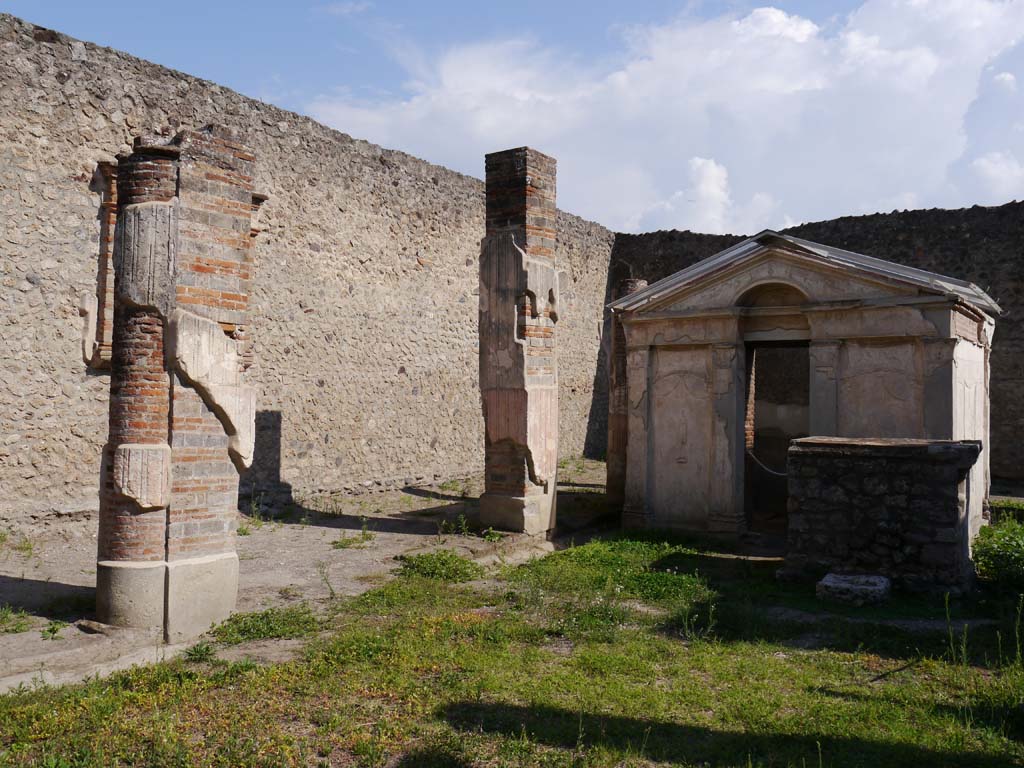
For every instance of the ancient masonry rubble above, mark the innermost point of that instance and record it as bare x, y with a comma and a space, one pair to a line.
618, 402
181, 413
518, 318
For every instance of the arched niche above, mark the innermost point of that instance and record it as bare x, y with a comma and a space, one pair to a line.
772, 295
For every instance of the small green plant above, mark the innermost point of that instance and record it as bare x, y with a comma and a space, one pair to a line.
25, 547
243, 530
256, 518
694, 621
443, 528
999, 554
360, 540
4, 535
443, 565
200, 653
52, 630
321, 568
462, 526
13, 620
289, 621
492, 536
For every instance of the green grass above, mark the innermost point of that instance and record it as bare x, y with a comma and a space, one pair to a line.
286, 622
444, 565
13, 620
590, 657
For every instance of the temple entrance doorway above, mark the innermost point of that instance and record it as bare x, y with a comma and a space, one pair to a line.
778, 395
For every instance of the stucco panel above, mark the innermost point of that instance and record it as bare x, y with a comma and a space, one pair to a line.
681, 436
880, 390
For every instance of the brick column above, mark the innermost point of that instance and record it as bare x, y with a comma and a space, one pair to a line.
518, 316
181, 414
618, 401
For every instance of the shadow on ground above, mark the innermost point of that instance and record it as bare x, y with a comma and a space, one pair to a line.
1006, 718
694, 745
48, 599
750, 604
432, 757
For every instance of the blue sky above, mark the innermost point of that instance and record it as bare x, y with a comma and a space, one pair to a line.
715, 116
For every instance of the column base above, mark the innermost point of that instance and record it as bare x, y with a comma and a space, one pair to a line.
201, 592
183, 598
130, 593
533, 514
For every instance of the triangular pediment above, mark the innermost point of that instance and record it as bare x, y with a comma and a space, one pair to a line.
803, 277
792, 271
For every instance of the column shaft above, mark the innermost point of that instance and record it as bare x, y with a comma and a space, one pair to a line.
518, 318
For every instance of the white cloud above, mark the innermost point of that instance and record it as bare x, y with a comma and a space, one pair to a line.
1006, 80
350, 8
1001, 174
732, 123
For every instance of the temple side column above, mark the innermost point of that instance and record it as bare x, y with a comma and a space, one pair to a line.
638, 413
181, 411
518, 316
618, 410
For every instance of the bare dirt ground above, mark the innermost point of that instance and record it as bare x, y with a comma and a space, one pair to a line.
306, 549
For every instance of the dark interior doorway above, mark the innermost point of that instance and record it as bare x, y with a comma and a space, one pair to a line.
778, 399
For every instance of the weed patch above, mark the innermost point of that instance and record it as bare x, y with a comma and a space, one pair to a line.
443, 565
286, 622
52, 630
200, 652
360, 540
13, 620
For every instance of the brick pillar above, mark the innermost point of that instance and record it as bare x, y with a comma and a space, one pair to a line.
618, 400
518, 316
181, 414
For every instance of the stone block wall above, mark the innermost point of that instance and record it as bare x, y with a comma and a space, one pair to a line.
893, 507
363, 305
